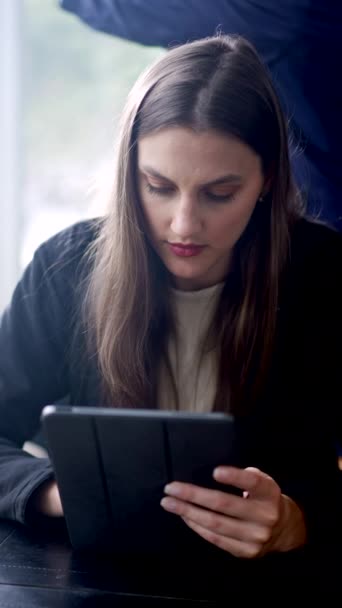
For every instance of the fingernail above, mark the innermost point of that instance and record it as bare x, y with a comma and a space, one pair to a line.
220, 473
172, 489
168, 504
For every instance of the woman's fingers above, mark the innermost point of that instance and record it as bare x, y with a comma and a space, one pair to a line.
248, 526
251, 480
238, 548
220, 502
254, 509
218, 524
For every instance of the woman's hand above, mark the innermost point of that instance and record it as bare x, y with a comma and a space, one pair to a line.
262, 521
46, 500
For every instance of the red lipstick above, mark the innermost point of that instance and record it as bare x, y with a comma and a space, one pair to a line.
186, 251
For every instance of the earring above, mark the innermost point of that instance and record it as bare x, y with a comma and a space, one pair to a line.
261, 199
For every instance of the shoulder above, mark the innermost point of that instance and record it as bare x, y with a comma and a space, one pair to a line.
71, 242
57, 270
65, 253
313, 275
315, 246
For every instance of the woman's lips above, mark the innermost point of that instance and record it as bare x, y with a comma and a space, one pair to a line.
185, 251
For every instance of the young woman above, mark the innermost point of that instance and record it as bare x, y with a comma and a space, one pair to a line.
203, 288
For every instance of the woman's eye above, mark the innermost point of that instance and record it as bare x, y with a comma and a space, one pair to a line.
220, 198
161, 190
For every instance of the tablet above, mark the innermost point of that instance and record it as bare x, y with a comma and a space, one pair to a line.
111, 466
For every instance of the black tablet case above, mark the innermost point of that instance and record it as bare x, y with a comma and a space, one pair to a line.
111, 467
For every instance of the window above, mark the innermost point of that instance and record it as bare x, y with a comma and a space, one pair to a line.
9, 146
75, 83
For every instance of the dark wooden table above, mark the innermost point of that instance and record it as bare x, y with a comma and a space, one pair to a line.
38, 569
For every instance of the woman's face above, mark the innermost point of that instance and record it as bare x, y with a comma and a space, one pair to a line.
198, 192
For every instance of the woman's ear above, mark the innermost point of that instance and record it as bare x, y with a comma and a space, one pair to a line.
265, 190
267, 183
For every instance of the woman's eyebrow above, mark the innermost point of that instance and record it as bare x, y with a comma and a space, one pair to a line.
153, 173
229, 178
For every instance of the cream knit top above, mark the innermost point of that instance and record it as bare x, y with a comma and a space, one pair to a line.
194, 371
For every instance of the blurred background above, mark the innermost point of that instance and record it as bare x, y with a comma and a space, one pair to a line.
62, 88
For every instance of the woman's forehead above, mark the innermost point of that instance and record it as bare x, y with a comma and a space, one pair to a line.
206, 155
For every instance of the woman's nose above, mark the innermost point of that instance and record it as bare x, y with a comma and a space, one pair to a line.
186, 220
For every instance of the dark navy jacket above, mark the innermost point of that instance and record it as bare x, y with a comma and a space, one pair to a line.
299, 40
292, 433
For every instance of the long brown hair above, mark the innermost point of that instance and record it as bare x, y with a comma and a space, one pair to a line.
216, 83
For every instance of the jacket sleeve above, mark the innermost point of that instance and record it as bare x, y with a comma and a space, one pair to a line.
316, 482
156, 23
33, 372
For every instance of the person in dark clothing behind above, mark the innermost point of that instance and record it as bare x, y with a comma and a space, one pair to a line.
299, 40
203, 288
